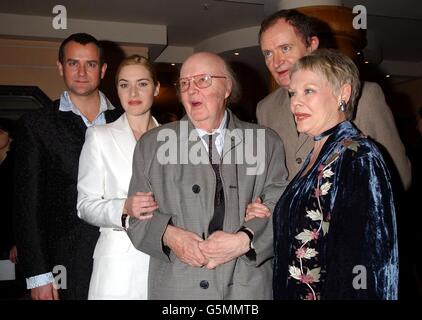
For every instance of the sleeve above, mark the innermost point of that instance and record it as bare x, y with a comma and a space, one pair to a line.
92, 205
146, 235
375, 119
362, 254
39, 280
30, 185
275, 181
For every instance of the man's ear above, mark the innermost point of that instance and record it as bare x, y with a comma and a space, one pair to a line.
313, 43
60, 67
229, 88
103, 70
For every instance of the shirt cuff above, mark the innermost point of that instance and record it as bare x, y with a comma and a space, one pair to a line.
39, 280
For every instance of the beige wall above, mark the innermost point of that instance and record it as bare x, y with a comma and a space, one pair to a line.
33, 62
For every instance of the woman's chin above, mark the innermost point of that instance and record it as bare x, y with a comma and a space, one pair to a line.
300, 128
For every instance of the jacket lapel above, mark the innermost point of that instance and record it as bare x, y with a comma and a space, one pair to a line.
71, 126
287, 121
232, 137
232, 172
123, 137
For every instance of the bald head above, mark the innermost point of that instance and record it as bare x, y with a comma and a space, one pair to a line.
205, 59
212, 64
208, 84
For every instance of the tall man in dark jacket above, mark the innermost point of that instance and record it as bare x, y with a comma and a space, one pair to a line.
50, 237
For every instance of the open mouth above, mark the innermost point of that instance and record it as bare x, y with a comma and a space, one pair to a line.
196, 104
283, 73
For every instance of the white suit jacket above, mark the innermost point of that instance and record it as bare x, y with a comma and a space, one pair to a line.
105, 169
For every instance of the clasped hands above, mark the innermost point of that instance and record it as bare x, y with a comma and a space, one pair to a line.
219, 248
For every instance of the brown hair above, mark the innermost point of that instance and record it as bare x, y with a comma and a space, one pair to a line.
83, 39
304, 26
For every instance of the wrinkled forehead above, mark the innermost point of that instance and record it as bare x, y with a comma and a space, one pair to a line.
202, 64
282, 31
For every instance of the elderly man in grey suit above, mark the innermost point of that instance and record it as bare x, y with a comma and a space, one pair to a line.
206, 172
285, 37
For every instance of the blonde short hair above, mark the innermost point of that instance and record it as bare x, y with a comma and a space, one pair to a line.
337, 69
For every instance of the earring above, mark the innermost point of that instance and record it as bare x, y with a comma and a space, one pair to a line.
342, 106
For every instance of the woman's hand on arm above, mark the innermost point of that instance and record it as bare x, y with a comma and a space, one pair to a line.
141, 205
257, 210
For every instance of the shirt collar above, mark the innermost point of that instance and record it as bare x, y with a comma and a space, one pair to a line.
219, 130
67, 105
219, 141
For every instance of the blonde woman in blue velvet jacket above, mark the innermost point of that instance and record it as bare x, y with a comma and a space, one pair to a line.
335, 225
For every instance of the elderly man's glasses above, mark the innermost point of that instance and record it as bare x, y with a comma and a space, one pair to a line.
201, 81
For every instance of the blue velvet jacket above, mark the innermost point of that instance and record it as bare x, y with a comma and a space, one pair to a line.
335, 233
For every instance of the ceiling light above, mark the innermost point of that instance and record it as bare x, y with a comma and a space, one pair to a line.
173, 64
358, 53
236, 53
366, 62
387, 76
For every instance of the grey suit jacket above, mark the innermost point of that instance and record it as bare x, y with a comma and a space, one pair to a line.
185, 195
373, 117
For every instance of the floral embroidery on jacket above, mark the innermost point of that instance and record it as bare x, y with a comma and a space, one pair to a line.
308, 238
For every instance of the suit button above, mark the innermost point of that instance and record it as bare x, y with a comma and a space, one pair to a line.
196, 188
204, 284
298, 160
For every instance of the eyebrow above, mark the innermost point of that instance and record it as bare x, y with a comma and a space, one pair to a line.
141, 79
283, 45
77, 60
196, 75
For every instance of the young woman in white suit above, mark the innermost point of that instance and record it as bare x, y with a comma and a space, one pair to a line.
105, 168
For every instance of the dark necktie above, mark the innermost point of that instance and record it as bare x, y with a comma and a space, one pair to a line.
217, 220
